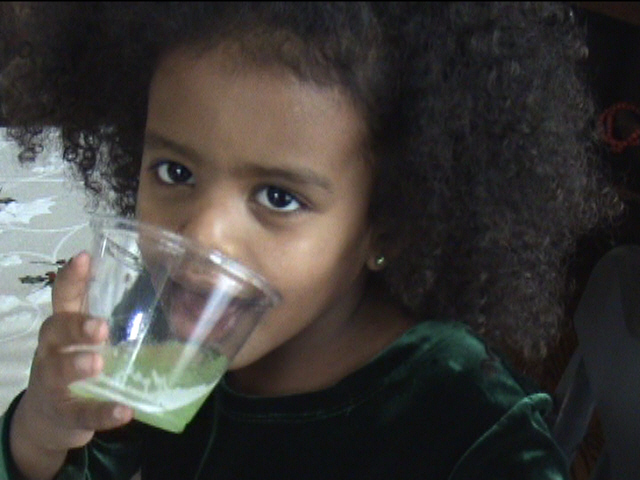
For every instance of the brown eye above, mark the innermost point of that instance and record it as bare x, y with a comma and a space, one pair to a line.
278, 199
173, 173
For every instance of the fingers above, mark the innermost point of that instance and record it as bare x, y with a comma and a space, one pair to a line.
67, 327
64, 352
60, 426
64, 355
70, 286
63, 331
68, 350
56, 371
97, 415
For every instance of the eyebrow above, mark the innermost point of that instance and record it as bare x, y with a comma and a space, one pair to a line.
157, 141
301, 176
297, 175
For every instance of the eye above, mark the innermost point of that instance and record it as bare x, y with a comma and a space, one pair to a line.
173, 173
278, 199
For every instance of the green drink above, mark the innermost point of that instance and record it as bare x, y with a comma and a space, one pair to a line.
178, 313
149, 378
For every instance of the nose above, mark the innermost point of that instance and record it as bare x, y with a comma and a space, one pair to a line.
216, 223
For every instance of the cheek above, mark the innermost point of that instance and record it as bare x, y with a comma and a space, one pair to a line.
150, 210
143, 203
321, 258
312, 292
312, 276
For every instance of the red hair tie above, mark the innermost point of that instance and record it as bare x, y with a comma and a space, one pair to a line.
607, 121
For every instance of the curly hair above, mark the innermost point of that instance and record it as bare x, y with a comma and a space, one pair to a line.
480, 129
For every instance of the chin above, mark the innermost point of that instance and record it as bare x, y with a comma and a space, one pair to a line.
243, 359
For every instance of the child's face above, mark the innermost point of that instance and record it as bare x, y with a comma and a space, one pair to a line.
270, 171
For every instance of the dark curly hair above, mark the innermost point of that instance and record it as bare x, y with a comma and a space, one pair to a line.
480, 129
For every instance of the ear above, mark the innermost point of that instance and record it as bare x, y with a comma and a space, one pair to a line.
377, 258
384, 249
376, 262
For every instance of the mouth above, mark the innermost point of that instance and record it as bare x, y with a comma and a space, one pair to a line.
185, 304
196, 314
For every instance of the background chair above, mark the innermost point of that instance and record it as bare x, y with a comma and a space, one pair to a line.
604, 372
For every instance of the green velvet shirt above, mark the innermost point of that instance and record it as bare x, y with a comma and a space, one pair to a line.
436, 404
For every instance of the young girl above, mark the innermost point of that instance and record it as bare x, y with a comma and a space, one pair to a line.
390, 168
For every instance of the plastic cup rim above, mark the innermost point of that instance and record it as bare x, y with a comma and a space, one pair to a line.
99, 222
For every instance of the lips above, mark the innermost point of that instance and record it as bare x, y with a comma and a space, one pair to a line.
199, 316
185, 304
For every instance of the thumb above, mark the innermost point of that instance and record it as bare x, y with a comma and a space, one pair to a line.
70, 285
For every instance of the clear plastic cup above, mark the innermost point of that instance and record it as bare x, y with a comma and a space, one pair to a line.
178, 313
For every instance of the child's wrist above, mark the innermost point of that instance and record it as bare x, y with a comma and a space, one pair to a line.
32, 458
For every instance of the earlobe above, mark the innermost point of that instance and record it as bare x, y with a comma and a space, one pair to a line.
376, 262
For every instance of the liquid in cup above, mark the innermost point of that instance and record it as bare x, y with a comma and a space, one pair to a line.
177, 314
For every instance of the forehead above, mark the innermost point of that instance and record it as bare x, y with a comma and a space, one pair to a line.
218, 102
244, 58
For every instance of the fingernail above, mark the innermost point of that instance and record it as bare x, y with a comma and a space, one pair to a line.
120, 413
84, 363
75, 258
91, 327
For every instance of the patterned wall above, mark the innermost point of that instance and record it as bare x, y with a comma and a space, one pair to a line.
43, 222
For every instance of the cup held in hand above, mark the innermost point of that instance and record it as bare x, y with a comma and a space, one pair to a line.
178, 314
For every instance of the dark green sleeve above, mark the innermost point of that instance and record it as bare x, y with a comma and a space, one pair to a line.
112, 456
102, 460
519, 446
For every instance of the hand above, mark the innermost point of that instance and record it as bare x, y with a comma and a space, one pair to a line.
49, 420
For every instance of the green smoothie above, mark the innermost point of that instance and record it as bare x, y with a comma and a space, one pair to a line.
145, 378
